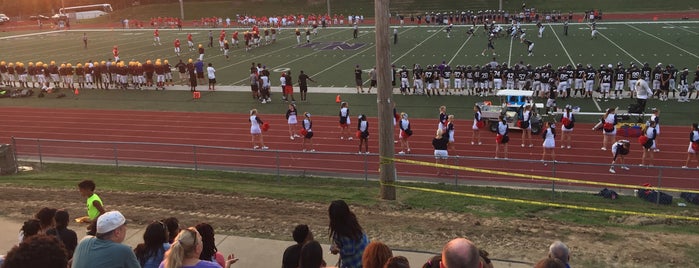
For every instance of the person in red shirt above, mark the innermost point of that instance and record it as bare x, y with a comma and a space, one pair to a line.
235, 38
190, 42
177, 47
156, 37
115, 52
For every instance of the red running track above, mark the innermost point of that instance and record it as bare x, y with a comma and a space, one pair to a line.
223, 140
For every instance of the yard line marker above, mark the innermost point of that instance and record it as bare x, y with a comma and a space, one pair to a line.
284, 64
561, 42
419, 44
616, 45
346, 59
462, 46
666, 42
681, 28
509, 59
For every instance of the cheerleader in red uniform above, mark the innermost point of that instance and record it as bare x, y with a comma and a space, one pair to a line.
567, 124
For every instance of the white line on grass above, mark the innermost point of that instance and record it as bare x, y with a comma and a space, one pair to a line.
666, 42
509, 58
561, 42
414, 47
297, 59
342, 61
681, 28
462, 46
26, 35
615, 44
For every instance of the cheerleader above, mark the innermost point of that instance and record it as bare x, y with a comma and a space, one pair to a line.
656, 118
693, 145
450, 131
476, 137
442, 118
649, 145
567, 124
396, 118
292, 121
549, 141
527, 126
344, 121
441, 153
308, 129
608, 127
619, 149
501, 139
363, 131
256, 131
405, 133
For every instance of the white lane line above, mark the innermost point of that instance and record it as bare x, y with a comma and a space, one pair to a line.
666, 42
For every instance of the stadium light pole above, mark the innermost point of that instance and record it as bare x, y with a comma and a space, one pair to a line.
387, 174
182, 9
328, 7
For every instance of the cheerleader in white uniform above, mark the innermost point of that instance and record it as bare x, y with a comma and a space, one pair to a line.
476, 137
502, 138
649, 146
363, 131
527, 126
307, 138
608, 127
567, 124
619, 149
442, 119
450, 131
656, 118
549, 141
405, 133
344, 121
256, 131
292, 121
693, 145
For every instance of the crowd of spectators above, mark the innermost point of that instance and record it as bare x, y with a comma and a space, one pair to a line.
45, 241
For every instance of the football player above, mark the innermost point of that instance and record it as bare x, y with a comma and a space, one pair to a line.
418, 85
620, 79
605, 75
684, 86
404, 80
590, 77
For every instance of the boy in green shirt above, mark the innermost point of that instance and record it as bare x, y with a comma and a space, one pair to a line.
94, 203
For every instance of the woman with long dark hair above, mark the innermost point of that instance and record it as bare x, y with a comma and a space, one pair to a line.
348, 237
209, 251
151, 252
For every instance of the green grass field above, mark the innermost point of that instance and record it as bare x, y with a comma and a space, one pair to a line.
666, 42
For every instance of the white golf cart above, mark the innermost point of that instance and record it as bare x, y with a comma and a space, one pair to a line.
512, 106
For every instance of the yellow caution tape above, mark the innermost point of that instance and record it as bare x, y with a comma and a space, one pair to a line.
537, 177
539, 203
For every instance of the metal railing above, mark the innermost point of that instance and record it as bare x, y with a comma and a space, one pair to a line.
462, 170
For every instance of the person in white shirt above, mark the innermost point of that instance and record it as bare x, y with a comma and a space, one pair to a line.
642, 91
212, 76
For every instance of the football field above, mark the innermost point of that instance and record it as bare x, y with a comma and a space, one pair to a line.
331, 56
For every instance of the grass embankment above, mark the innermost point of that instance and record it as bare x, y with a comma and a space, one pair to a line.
359, 192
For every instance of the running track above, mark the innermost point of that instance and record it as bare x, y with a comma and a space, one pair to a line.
334, 156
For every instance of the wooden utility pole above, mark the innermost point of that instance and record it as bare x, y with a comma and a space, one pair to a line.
384, 98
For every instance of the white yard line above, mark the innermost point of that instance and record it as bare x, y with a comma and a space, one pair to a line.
31, 34
561, 42
462, 46
616, 45
680, 27
286, 63
509, 57
346, 59
416, 46
666, 42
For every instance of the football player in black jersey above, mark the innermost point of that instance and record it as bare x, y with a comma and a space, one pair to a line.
404, 81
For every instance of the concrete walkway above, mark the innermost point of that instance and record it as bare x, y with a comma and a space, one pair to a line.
252, 252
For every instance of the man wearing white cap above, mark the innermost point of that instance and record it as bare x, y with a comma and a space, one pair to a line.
105, 249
